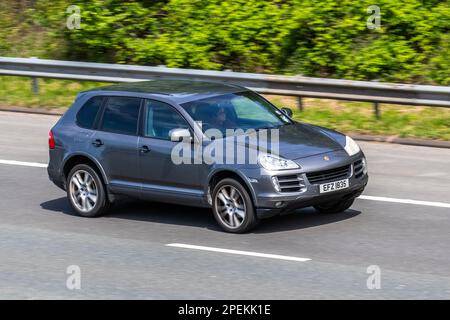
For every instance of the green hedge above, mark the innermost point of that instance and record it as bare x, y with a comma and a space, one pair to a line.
327, 38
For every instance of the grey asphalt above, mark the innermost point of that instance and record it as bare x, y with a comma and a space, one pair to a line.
124, 254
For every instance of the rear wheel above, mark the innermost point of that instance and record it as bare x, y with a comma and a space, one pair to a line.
334, 207
233, 207
86, 192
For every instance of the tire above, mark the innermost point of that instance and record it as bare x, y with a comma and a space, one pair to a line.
239, 215
334, 207
90, 189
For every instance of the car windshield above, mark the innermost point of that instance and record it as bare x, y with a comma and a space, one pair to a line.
242, 110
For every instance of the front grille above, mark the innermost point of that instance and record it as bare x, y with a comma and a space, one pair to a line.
328, 175
291, 183
358, 169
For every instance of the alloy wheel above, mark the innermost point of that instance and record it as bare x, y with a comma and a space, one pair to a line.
230, 206
83, 190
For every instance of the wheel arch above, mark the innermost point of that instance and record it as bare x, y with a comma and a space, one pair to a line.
221, 174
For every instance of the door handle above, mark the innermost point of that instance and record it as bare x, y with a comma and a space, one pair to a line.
97, 143
144, 149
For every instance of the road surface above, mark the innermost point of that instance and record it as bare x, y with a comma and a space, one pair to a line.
145, 250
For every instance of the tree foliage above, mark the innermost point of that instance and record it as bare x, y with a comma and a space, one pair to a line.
326, 38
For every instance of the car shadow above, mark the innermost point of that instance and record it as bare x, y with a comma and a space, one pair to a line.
302, 219
201, 217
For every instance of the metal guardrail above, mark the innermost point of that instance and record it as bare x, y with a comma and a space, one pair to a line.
376, 92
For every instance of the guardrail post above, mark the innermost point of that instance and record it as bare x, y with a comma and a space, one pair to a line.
376, 110
35, 82
35, 85
300, 104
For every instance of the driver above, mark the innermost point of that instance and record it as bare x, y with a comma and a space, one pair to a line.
220, 120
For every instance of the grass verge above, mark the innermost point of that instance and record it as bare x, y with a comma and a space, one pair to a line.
345, 116
358, 117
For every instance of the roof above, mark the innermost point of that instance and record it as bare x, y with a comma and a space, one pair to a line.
178, 90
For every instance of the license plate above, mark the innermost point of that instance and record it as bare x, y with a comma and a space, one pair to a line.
333, 186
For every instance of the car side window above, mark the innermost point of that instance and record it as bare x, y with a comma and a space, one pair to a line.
121, 115
88, 112
160, 119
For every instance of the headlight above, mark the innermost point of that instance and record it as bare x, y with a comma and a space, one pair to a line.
273, 163
351, 146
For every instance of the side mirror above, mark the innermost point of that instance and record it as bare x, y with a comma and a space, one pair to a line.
287, 112
179, 134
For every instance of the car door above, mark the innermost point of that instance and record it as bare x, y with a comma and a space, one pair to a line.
115, 143
162, 179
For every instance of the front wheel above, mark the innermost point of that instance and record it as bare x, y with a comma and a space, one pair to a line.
86, 192
334, 207
233, 207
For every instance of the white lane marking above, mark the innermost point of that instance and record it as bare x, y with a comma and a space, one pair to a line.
407, 201
244, 253
23, 163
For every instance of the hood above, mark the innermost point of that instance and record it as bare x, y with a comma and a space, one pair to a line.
299, 140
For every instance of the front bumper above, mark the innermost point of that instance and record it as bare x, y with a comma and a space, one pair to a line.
268, 206
269, 202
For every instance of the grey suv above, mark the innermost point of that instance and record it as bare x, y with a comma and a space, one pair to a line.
120, 140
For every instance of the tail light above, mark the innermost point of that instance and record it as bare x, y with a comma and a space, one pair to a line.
51, 140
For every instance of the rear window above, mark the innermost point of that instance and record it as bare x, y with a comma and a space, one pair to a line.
121, 115
88, 112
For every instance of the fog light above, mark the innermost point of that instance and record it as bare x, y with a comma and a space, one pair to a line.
279, 204
275, 183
